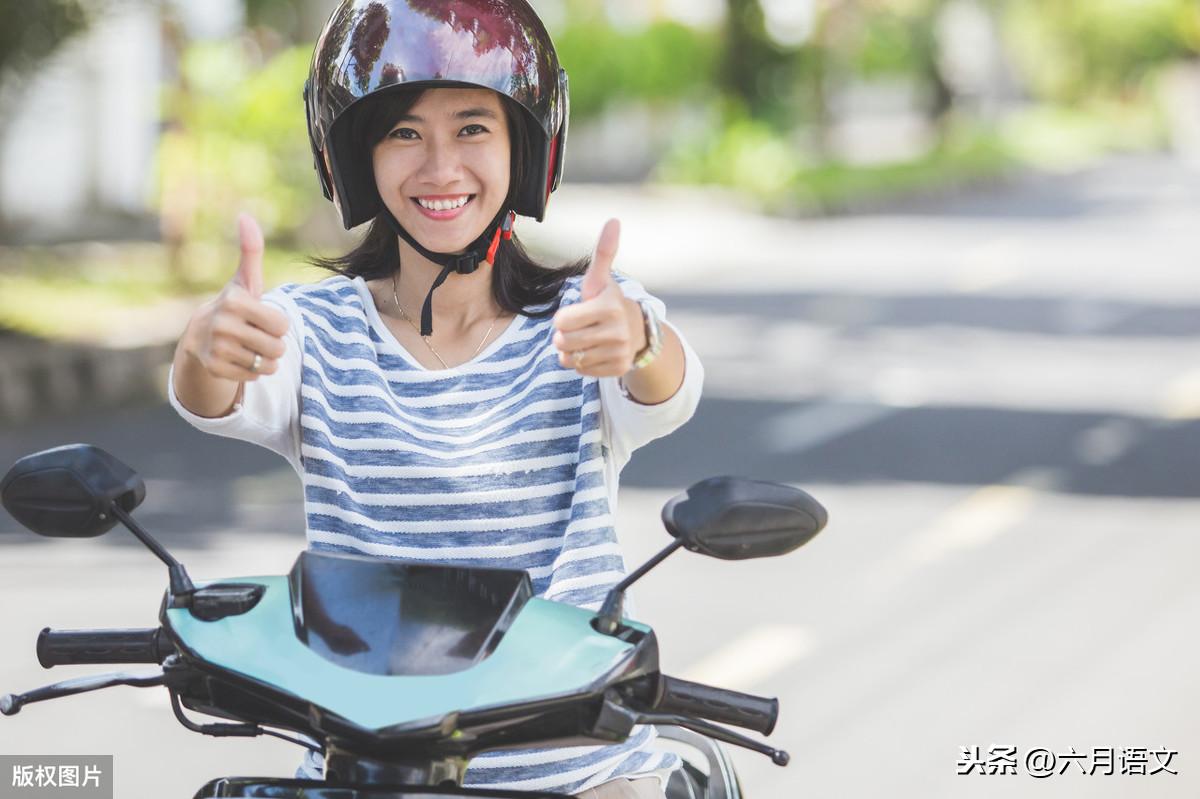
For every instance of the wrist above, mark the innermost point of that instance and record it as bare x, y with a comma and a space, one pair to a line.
188, 343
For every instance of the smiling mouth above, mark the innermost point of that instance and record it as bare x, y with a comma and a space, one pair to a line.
443, 204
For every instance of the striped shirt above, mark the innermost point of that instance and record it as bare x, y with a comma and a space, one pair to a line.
507, 461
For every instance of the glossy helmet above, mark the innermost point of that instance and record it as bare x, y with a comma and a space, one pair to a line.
369, 47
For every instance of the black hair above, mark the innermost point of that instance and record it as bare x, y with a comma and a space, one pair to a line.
518, 281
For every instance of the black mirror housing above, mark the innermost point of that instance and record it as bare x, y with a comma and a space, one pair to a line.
70, 491
734, 518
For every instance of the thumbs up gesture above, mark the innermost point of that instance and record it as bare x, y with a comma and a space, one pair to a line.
237, 336
600, 335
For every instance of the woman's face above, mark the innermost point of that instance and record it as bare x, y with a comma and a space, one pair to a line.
443, 168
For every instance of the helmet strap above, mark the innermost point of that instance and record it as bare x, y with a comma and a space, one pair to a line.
427, 308
463, 263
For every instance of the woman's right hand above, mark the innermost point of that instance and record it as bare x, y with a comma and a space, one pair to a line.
226, 333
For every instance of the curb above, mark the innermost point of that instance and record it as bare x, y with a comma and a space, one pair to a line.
41, 379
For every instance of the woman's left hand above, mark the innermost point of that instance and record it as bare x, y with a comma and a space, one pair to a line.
600, 335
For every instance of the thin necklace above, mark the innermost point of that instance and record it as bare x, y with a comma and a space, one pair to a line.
428, 343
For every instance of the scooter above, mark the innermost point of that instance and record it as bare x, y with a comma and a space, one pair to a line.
400, 672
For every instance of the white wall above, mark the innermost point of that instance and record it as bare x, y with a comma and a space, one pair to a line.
79, 148
83, 132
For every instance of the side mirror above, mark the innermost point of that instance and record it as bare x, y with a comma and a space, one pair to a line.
81, 491
734, 518
70, 492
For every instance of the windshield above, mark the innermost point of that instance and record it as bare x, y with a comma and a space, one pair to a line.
390, 617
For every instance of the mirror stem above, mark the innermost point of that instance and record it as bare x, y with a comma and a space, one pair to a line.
181, 584
610, 615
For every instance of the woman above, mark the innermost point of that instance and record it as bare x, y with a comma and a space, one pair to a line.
498, 439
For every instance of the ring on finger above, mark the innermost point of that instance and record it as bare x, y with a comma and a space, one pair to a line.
578, 358
257, 364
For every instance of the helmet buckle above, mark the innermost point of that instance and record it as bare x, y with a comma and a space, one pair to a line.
505, 231
466, 263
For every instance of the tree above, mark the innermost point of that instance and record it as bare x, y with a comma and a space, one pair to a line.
751, 60
33, 31
295, 21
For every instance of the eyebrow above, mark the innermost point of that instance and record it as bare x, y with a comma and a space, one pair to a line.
465, 113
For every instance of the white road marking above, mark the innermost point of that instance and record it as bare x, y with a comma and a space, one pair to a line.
969, 523
972, 523
1104, 443
900, 387
988, 266
1181, 400
805, 428
755, 657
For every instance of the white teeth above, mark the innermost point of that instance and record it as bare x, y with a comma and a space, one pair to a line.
444, 205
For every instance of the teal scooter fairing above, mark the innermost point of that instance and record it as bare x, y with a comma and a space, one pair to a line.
399, 673
393, 658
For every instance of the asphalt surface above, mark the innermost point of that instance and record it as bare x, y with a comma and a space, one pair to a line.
996, 395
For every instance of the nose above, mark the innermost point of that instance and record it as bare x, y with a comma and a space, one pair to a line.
442, 166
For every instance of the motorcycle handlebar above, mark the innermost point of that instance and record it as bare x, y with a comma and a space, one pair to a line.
66, 647
685, 698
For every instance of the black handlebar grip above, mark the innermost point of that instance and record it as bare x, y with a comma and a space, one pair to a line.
716, 704
65, 647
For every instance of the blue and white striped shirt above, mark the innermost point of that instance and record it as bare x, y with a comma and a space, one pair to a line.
507, 461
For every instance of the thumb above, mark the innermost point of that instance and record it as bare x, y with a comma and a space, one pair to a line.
599, 272
249, 272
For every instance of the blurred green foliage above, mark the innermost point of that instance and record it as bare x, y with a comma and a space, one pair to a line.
744, 153
235, 140
886, 44
289, 21
1082, 66
1071, 50
280, 16
90, 292
774, 169
780, 173
755, 72
662, 62
956, 160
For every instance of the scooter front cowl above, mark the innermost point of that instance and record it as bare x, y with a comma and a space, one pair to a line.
404, 651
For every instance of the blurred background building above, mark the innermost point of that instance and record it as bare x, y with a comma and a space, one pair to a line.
82, 113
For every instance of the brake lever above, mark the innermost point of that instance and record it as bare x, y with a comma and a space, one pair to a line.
11, 704
778, 756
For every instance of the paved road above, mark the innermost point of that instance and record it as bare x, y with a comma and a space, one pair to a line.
996, 395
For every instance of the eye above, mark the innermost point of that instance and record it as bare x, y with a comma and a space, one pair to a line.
472, 130
403, 133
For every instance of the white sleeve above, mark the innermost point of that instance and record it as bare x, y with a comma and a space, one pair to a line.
629, 424
269, 413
